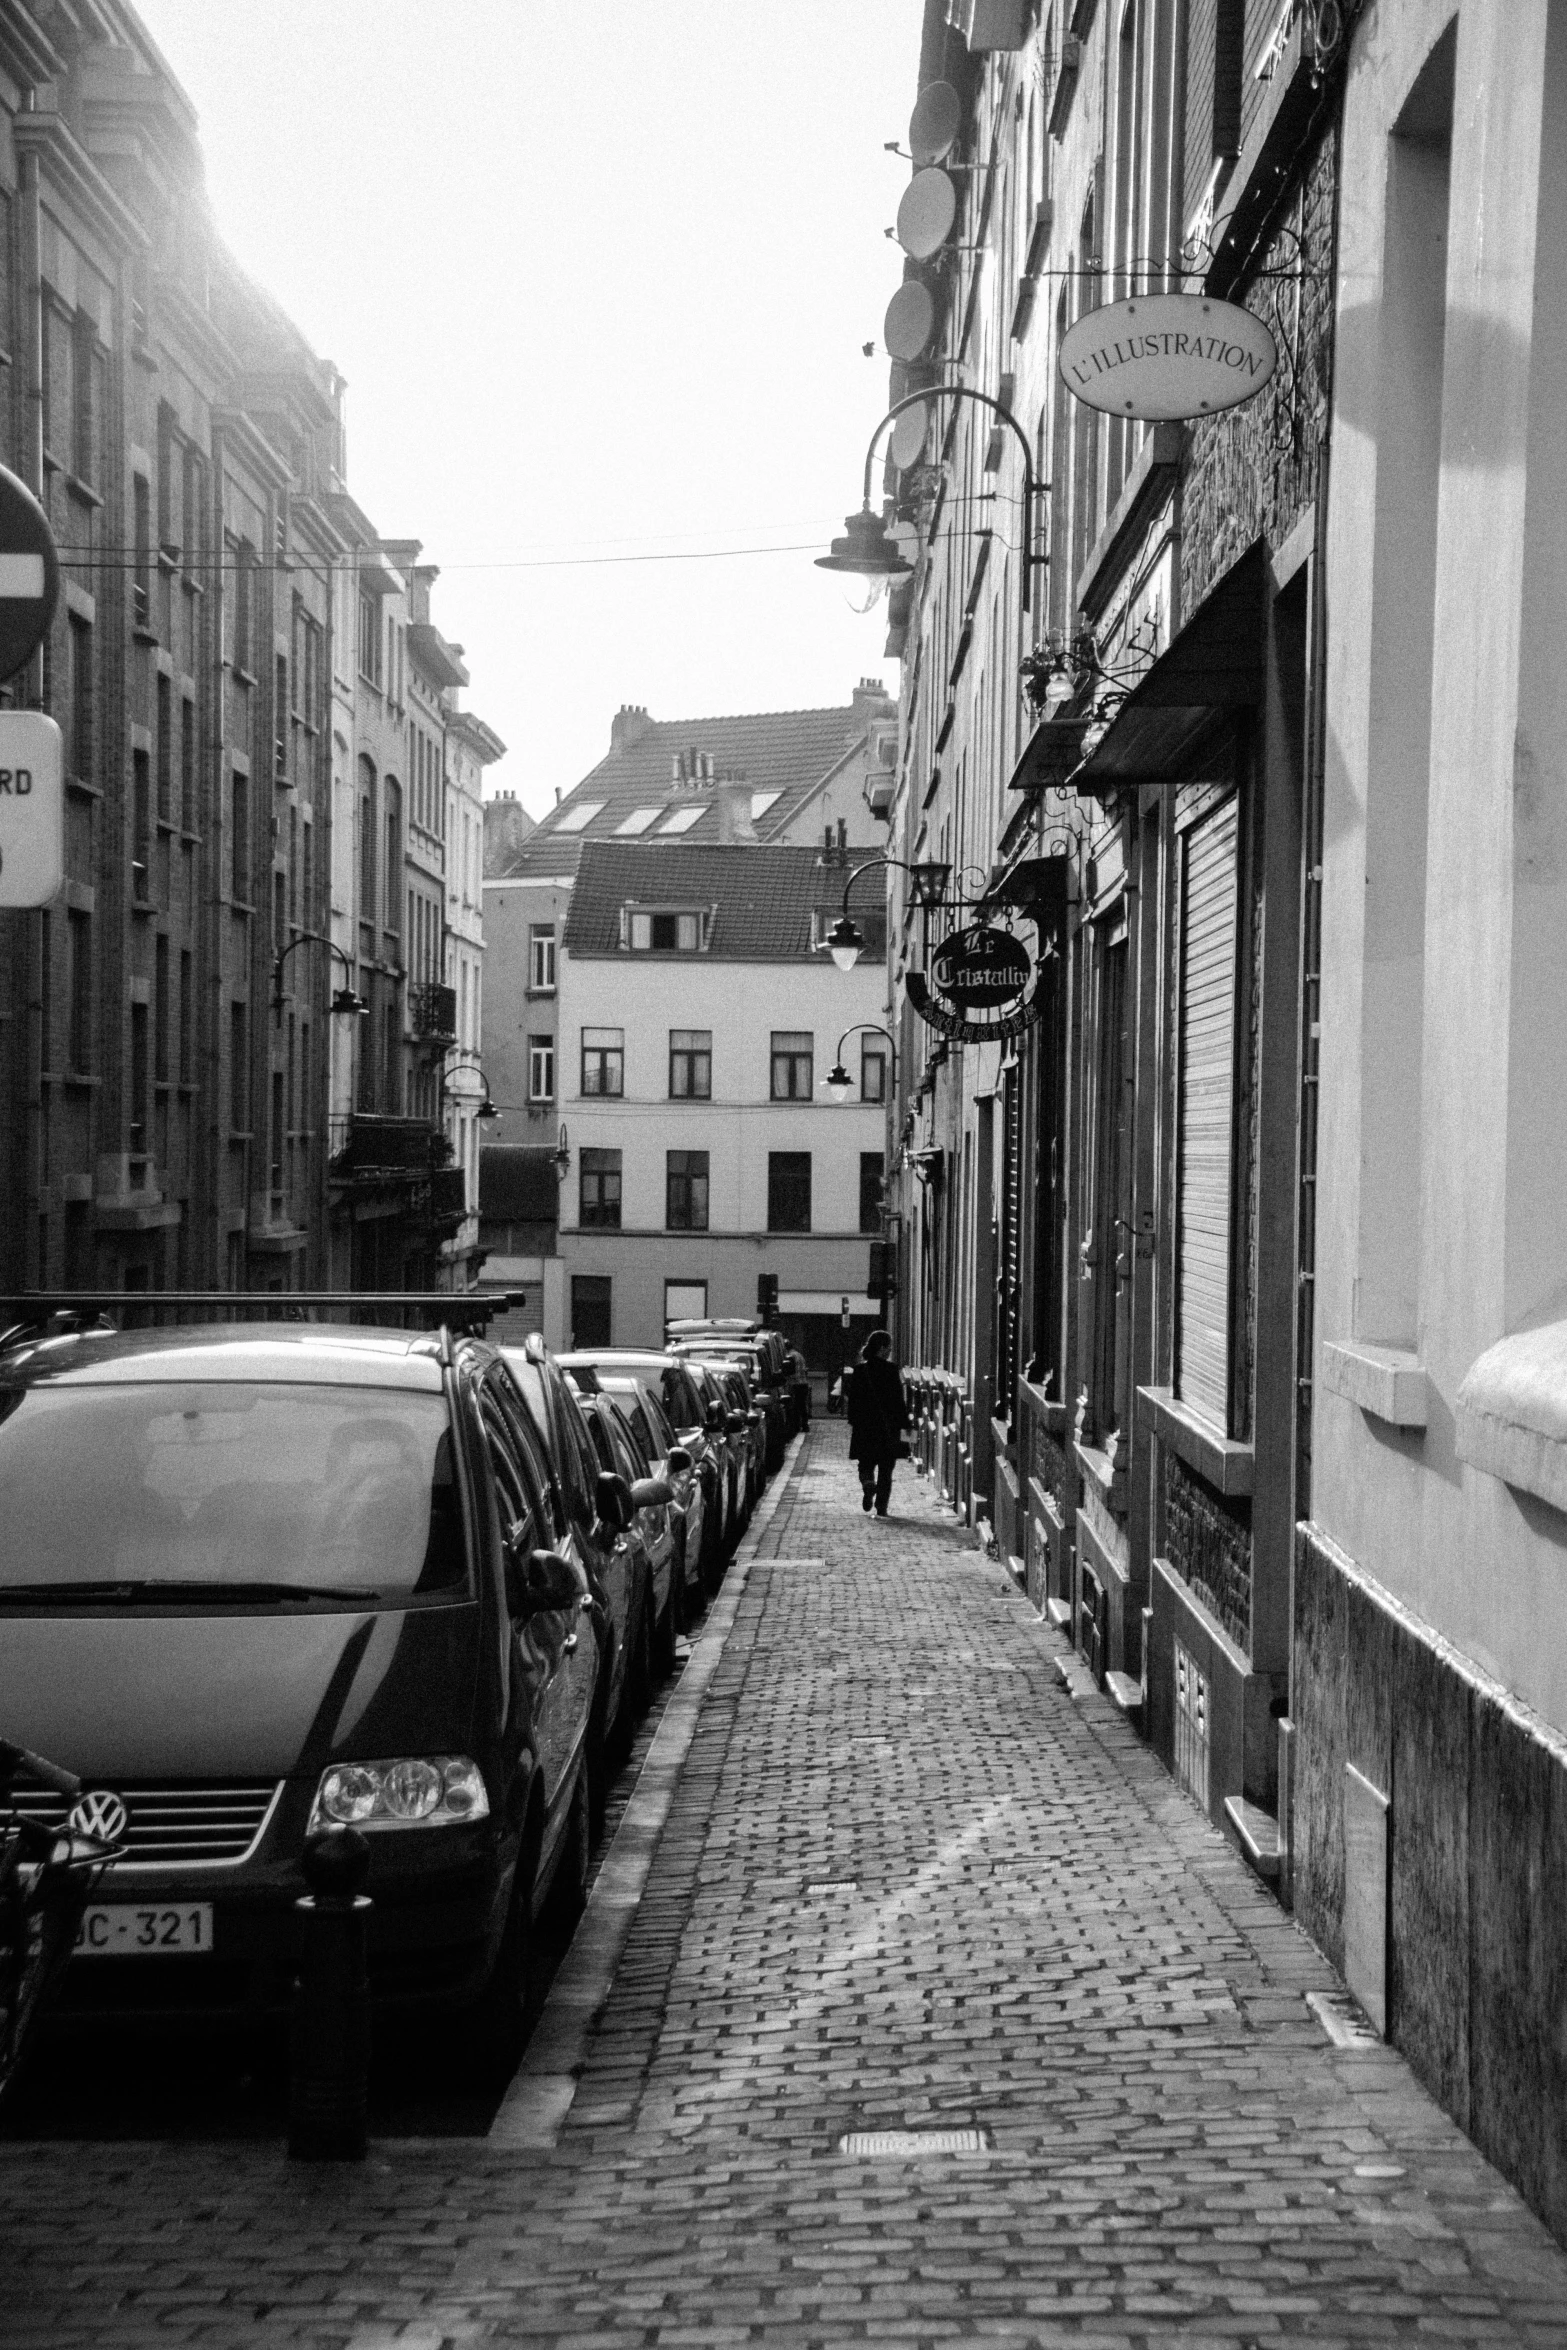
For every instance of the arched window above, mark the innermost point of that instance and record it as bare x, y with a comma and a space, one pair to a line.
394, 851
367, 839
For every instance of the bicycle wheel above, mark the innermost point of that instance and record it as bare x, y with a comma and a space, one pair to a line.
29, 1963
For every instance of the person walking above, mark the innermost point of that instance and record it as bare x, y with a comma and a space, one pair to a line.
878, 1415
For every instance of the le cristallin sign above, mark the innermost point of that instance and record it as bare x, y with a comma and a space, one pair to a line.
1167, 355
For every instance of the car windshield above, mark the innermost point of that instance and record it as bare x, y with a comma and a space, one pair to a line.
318, 1490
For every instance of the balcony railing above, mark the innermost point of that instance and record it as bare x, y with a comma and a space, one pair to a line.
368, 1143
432, 1012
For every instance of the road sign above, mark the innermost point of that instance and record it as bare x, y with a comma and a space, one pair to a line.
29, 574
32, 808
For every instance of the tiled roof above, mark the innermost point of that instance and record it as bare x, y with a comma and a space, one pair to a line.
783, 752
763, 898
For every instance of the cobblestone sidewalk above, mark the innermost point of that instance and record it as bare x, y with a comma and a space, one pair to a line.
908, 1882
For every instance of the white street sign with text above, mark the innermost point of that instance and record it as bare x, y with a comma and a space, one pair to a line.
32, 808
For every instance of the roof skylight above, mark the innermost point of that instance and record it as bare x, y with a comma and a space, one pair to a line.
578, 818
761, 801
638, 820
683, 818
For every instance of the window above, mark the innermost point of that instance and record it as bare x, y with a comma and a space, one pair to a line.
137, 1121
165, 750
690, 1064
370, 639
277, 1130
80, 698
141, 578
638, 820
78, 988
239, 843
685, 1191
541, 958
793, 1049
870, 1191
244, 558
1209, 921
761, 801
366, 841
239, 1070
187, 1041
541, 1068
788, 1191
665, 933
160, 1001
873, 1070
599, 1206
141, 818
578, 818
394, 849
604, 1061
683, 818
188, 766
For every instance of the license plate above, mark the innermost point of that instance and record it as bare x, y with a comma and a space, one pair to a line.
123, 1929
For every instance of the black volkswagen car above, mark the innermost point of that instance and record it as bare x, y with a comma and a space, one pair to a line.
262, 1579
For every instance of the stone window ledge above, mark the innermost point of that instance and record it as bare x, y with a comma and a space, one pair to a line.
1224, 1463
1511, 1413
1389, 1382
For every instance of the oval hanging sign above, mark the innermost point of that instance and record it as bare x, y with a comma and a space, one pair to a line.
980, 966
1167, 355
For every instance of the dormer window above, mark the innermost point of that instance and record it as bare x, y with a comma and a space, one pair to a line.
665, 930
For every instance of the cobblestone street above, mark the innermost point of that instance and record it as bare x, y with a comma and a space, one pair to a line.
910, 1879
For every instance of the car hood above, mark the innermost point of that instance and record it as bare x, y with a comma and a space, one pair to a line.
237, 1696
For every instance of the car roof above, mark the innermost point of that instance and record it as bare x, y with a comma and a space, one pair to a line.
316, 1354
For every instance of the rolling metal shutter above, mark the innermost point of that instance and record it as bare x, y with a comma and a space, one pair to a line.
1202, 1301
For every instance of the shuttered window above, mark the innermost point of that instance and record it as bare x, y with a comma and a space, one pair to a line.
1208, 915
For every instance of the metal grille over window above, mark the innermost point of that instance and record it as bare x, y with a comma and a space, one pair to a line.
1208, 932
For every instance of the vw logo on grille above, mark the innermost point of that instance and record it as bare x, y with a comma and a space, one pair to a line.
100, 1814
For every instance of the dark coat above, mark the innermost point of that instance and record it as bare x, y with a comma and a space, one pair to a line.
878, 1413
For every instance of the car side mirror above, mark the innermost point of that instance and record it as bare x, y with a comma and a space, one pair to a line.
649, 1493
678, 1459
542, 1580
736, 1421
612, 1500
717, 1417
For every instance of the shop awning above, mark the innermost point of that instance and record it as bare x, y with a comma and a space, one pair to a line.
1215, 665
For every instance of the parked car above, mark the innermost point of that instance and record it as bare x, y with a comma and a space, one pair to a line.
730, 1429
263, 1579
639, 1385
654, 1527
600, 1511
733, 1375
760, 1353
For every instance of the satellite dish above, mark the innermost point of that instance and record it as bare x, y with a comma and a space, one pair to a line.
926, 214
935, 122
908, 436
910, 321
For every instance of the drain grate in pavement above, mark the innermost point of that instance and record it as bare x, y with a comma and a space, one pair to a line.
1344, 2023
895, 2145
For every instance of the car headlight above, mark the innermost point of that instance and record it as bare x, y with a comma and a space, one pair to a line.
410, 1791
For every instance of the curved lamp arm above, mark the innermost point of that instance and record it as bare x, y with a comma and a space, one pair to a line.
838, 1084
347, 998
845, 939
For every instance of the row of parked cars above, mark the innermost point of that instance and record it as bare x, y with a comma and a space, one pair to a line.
260, 1581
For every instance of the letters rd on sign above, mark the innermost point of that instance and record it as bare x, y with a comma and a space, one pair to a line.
32, 762
1167, 355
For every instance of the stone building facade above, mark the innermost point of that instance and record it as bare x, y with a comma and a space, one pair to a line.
182, 1105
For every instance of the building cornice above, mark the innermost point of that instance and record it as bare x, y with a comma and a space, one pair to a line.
72, 174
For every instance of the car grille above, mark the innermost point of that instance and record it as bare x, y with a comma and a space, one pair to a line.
174, 1824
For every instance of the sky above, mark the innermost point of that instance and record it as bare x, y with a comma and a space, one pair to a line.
599, 274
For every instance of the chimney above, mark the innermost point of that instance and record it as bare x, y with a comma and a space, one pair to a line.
869, 700
629, 724
734, 811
